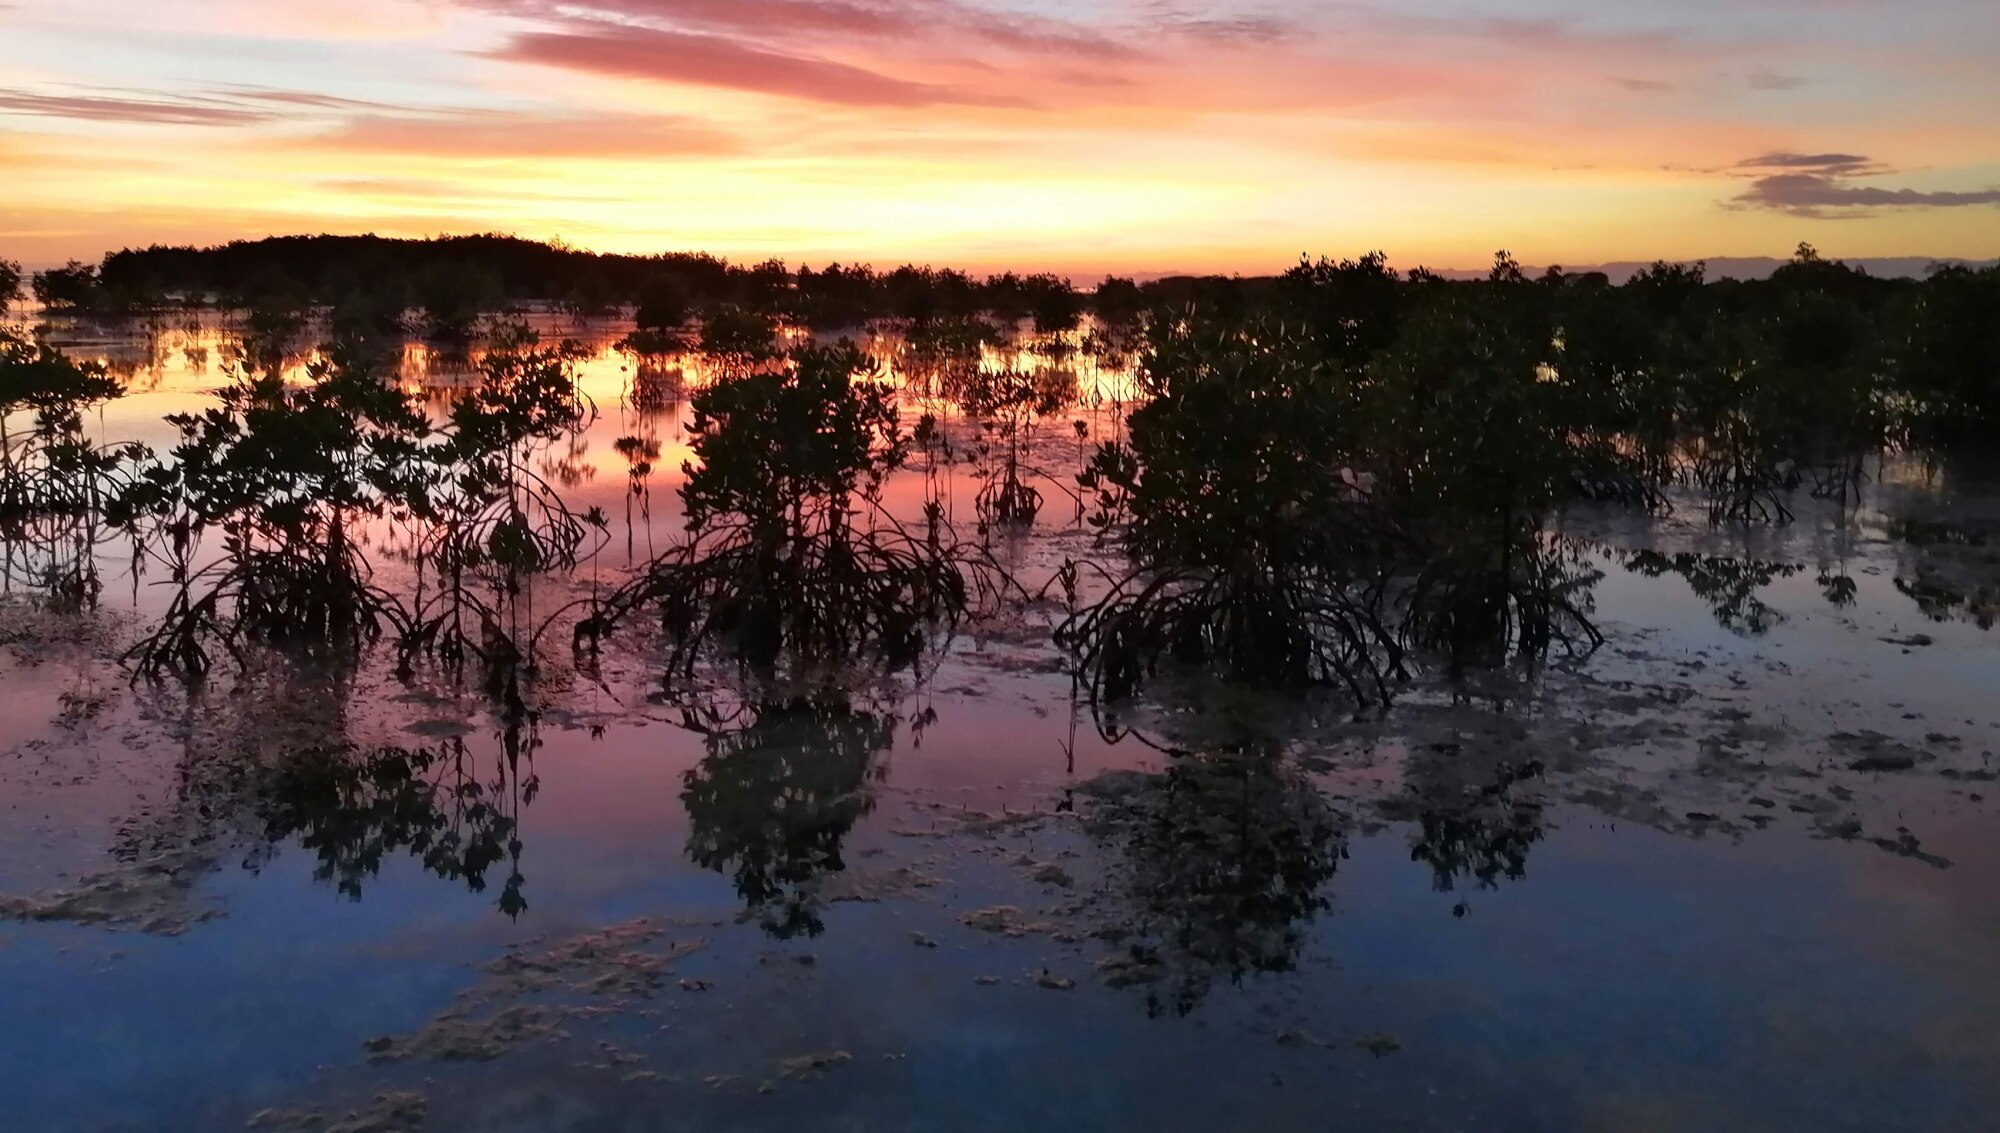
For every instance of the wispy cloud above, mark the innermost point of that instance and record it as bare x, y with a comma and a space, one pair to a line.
1203, 24
226, 104
716, 61
162, 110
1766, 80
810, 21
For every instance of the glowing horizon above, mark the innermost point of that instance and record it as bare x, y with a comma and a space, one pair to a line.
1129, 136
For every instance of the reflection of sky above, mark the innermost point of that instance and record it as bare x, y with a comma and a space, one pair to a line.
1634, 980
1115, 134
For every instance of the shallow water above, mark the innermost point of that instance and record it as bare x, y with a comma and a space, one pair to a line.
1646, 889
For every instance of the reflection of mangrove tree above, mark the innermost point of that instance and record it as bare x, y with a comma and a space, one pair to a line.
270, 762
773, 800
1950, 570
1226, 856
1471, 829
355, 808
1728, 585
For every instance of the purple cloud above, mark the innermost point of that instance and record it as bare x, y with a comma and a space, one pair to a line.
1819, 186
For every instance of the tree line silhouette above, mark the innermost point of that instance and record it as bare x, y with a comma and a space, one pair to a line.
355, 277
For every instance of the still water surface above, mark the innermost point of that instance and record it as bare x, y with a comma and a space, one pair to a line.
1737, 870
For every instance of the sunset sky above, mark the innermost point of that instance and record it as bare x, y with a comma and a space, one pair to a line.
1074, 135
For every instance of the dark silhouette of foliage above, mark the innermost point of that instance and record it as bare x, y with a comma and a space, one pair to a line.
590, 296
72, 287
1949, 569
286, 476
355, 808
1472, 450
1254, 544
836, 297
1053, 303
789, 554
1330, 475
662, 304
1011, 402
1471, 828
1118, 302
942, 357
1946, 359
1728, 585
737, 340
492, 516
274, 318
1350, 310
454, 297
55, 483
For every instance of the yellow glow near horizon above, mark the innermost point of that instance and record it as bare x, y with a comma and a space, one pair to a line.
1000, 133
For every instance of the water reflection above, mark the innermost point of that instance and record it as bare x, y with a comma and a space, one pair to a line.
1947, 568
273, 762
1474, 825
1225, 856
355, 808
773, 800
1729, 585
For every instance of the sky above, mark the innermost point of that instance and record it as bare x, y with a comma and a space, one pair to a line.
1081, 136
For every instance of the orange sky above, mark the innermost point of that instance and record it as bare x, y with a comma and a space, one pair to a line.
1080, 136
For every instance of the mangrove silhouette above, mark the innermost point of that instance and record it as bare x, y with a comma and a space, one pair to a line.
790, 556
55, 482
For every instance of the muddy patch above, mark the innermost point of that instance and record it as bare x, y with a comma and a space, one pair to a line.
398, 1111
529, 994
156, 897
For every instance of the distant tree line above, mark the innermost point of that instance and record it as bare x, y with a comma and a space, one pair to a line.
362, 275
1918, 360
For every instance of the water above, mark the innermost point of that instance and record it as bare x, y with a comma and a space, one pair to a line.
1647, 889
